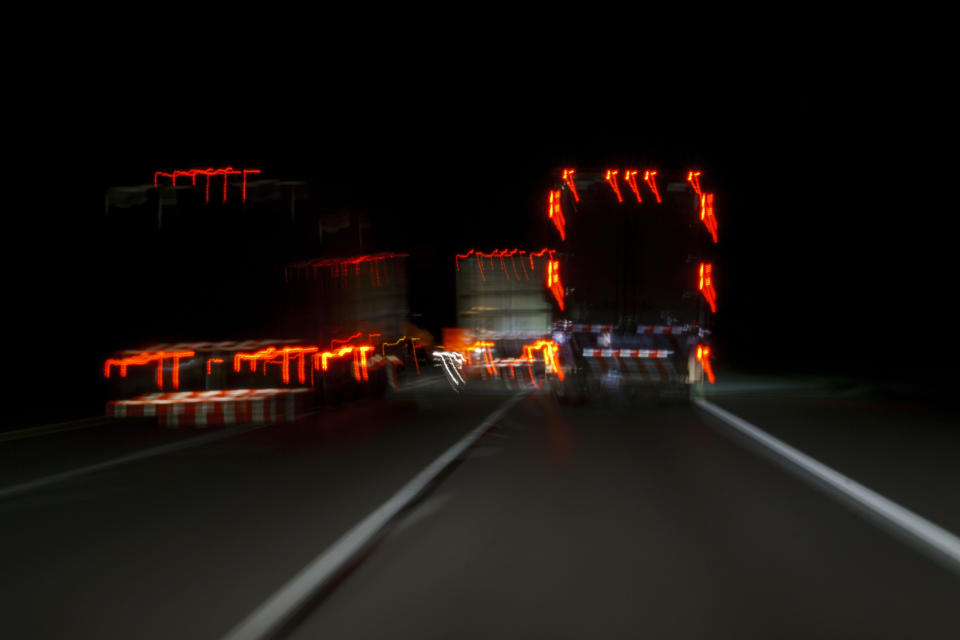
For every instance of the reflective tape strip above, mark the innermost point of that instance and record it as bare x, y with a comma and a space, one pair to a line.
590, 328
628, 353
662, 330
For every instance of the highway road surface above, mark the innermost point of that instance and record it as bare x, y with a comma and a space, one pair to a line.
494, 513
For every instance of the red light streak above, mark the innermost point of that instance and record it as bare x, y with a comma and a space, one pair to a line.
611, 178
268, 355
463, 256
359, 360
650, 177
344, 341
272, 355
362, 351
706, 214
486, 354
553, 281
550, 351
147, 358
703, 357
326, 355
193, 173
568, 178
500, 254
706, 285
693, 177
210, 362
555, 213
245, 172
341, 266
630, 176
262, 354
539, 254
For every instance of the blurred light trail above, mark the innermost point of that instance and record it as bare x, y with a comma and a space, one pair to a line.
706, 214
611, 178
630, 176
451, 362
207, 173
568, 178
703, 357
706, 285
650, 177
147, 358
555, 212
211, 362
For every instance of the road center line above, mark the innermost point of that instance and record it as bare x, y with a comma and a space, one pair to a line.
279, 608
220, 434
929, 536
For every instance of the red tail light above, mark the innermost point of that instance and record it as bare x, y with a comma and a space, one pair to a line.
630, 176
568, 178
147, 358
650, 177
555, 212
706, 285
703, 357
706, 215
611, 178
553, 281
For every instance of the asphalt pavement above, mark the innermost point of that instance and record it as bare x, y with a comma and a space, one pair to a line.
610, 519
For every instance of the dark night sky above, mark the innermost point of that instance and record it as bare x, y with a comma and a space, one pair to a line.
835, 235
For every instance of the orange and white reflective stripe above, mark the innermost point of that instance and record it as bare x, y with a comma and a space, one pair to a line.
590, 328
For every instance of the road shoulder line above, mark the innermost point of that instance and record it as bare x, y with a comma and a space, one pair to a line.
279, 608
931, 537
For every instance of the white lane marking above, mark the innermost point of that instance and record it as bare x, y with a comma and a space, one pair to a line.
278, 608
46, 429
937, 539
18, 489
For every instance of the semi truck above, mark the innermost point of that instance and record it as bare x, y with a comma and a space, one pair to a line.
637, 260
622, 301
